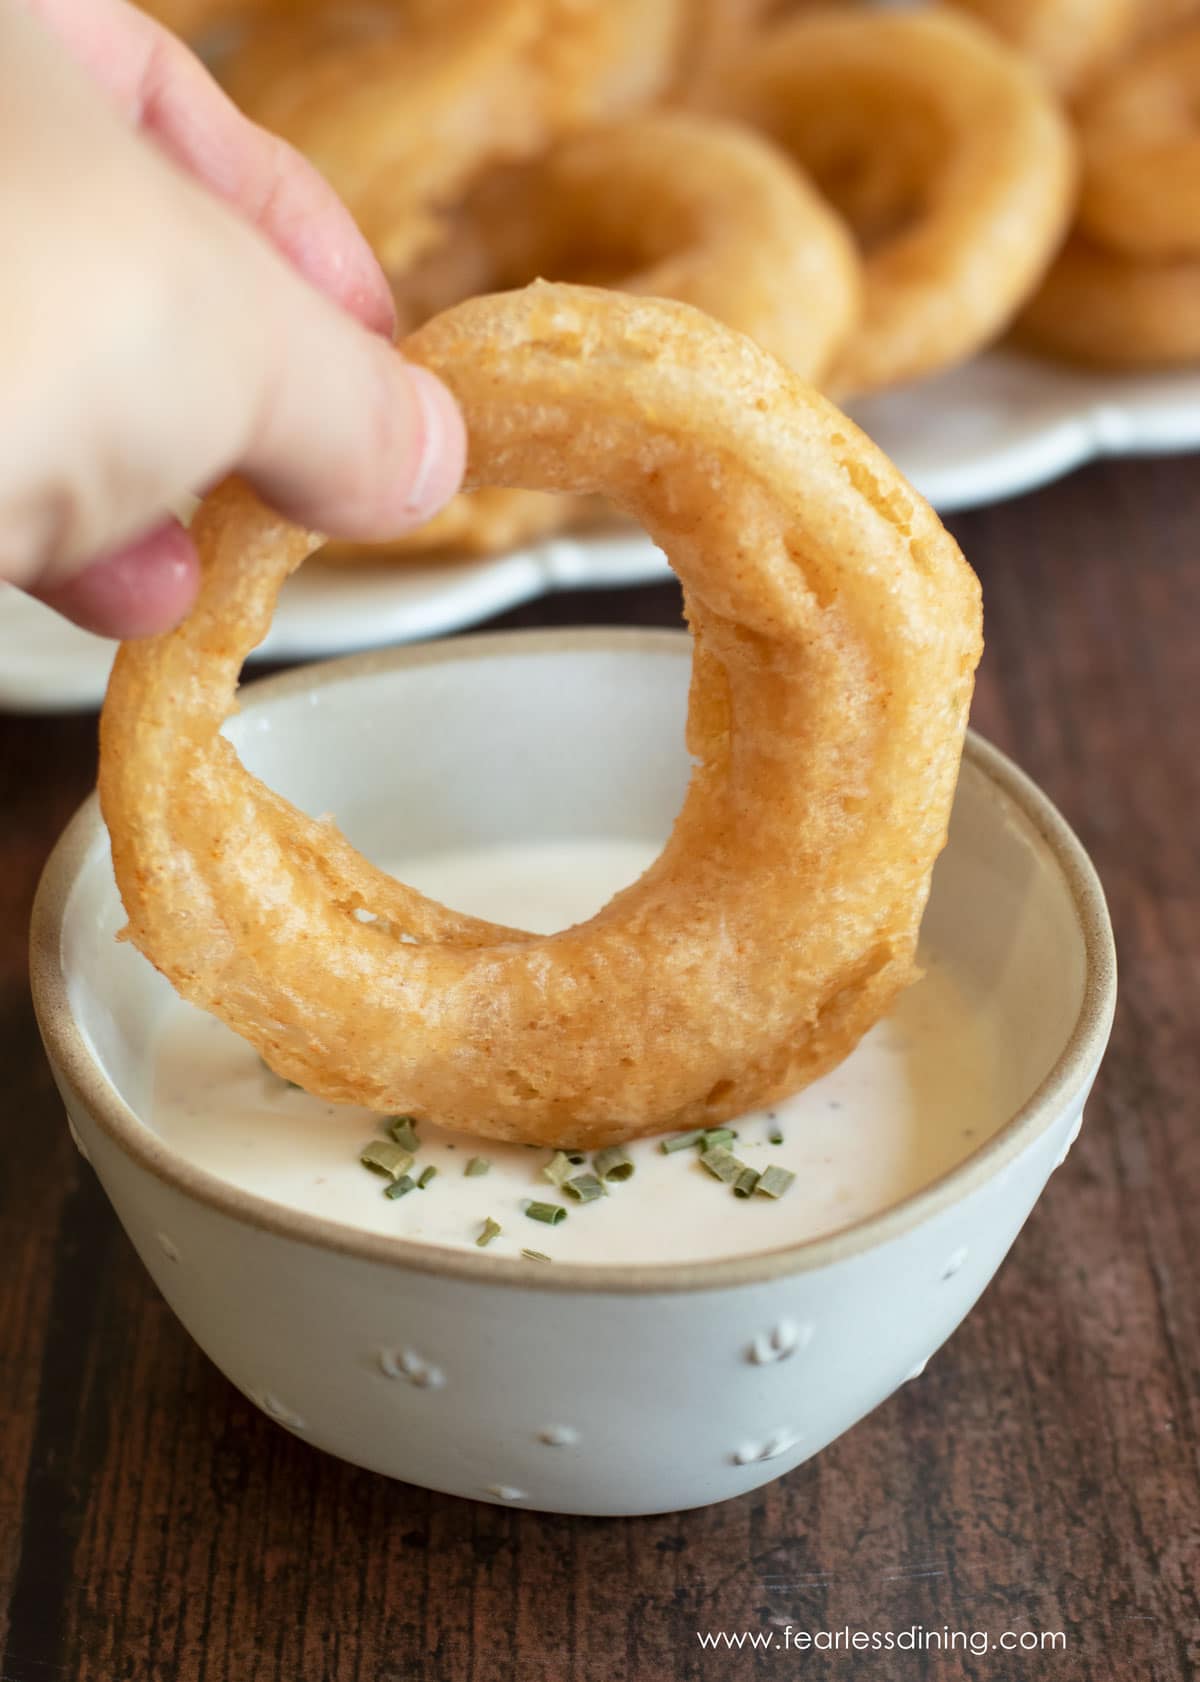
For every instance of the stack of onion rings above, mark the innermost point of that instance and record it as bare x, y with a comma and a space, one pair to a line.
1140, 133
667, 204
836, 632
945, 151
1126, 290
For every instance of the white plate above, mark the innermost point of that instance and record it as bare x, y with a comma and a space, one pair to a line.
996, 426
47, 665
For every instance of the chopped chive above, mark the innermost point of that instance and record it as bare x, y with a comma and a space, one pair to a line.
612, 1164
478, 1165
576, 1158
717, 1136
775, 1136
558, 1169
535, 1255
400, 1187
402, 1130
489, 1230
774, 1181
722, 1164
426, 1175
586, 1187
383, 1157
551, 1214
681, 1141
746, 1182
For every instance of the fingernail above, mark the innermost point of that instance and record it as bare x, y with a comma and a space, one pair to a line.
442, 447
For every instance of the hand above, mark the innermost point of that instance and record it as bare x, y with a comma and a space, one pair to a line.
181, 296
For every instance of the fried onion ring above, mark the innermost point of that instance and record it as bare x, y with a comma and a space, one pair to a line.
836, 631
398, 115
947, 155
1140, 135
1104, 310
402, 107
1159, 15
1069, 40
186, 17
667, 204
718, 28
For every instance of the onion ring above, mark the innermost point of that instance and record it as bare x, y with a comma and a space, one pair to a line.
716, 29
836, 631
397, 114
946, 153
666, 204
1140, 134
1165, 14
1069, 40
1104, 310
401, 107
489, 521
187, 17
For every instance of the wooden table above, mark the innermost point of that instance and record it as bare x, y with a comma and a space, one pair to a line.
1041, 1477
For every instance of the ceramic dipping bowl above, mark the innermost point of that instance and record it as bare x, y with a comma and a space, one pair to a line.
613, 1389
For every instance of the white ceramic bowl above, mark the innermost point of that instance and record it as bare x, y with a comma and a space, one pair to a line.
593, 1389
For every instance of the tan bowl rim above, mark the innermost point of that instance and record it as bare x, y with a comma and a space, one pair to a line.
81, 1073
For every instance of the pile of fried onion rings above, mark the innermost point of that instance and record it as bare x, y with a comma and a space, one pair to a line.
941, 148
1125, 291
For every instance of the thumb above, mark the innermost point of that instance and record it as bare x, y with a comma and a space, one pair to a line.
325, 418
207, 353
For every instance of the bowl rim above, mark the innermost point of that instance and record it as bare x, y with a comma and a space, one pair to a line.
80, 1071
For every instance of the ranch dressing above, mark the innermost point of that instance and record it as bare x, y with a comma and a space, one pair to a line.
919, 1094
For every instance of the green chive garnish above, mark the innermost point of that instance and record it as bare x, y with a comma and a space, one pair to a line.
383, 1157
478, 1165
400, 1187
612, 1164
426, 1175
681, 1141
551, 1214
722, 1164
576, 1158
586, 1187
489, 1230
775, 1136
717, 1136
401, 1129
746, 1182
558, 1169
535, 1255
774, 1181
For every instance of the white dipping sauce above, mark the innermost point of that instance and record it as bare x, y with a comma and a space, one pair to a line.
920, 1093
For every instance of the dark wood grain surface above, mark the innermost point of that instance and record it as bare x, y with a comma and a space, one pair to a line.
1044, 1474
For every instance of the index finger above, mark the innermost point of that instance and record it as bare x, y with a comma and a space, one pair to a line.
167, 93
